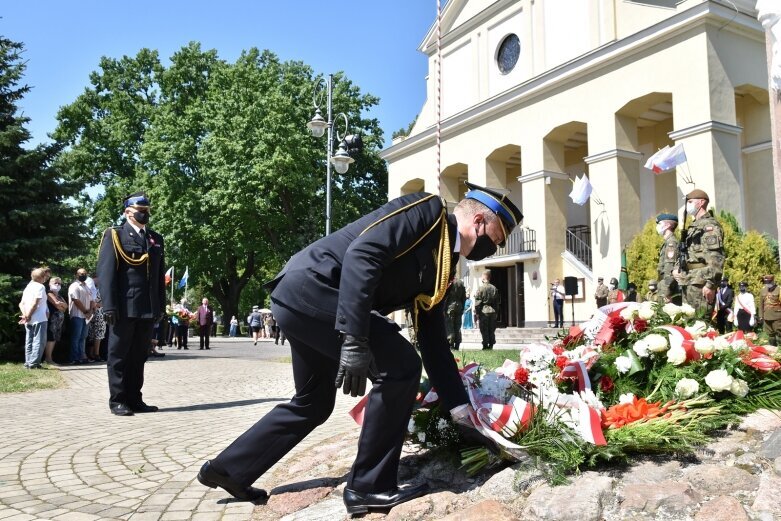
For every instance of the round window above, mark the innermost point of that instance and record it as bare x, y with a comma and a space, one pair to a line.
509, 51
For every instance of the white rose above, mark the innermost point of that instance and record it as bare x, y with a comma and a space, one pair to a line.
657, 343
641, 348
411, 426
626, 398
628, 312
739, 388
697, 329
676, 355
687, 387
422, 437
719, 380
671, 309
720, 344
623, 364
647, 310
704, 345
687, 310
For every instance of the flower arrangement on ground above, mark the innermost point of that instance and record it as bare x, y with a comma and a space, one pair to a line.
635, 379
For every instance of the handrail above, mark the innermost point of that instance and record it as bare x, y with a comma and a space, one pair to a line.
578, 247
520, 240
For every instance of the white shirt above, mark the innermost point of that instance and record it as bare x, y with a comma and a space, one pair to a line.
35, 291
558, 292
78, 291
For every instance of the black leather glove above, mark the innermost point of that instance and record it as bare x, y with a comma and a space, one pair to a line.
109, 317
355, 364
473, 438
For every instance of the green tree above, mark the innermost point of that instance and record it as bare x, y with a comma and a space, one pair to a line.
642, 256
39, 227
237, 184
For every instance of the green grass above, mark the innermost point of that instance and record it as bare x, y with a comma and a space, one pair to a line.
490, 359
14, 378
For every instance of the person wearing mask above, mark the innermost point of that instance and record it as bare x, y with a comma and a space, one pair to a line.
652, 295
97, 326
614, 294
669, 290
704, 255
80, 311
57, 307
454, 311
600, 293
205, 317
558, 295
131, 268
723, 309
770, 309
332, 300
744, 311
631, 292
487, 301
35, 315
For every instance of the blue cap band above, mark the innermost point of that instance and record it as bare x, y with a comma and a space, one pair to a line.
137, 201
494, 205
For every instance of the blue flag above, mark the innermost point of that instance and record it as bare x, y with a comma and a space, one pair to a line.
183, 282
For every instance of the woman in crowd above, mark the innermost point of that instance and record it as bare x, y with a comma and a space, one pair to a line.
97, 326
468, 323
183, 325
744, 310
57, 306
234, 326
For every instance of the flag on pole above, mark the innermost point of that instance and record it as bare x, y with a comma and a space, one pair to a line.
183, 282
581, 190
169, 275
666, 159
623, 279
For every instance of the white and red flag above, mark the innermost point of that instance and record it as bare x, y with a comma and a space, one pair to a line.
666, 159
169, 275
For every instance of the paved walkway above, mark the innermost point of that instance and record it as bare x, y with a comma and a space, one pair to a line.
63, 456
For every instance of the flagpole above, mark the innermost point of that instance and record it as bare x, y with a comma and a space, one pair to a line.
173, 282
187, 280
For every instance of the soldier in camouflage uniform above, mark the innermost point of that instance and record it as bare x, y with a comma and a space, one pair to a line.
652, 295
600, 293
770, 309
669, 291
487, 300
614, 294
454, 310
704, 255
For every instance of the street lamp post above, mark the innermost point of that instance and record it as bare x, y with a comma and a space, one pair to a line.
341, 159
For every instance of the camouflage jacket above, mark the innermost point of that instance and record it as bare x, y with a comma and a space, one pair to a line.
705, 252
601, 291
455, 297
668, 261
770, 304
487, 299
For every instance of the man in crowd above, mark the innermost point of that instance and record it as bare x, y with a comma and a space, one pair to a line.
600, 294
205, 321
614, 294
724, 301
652, 295
131, 267
454, 309
704, 255
669, 290
558, 295
487, 301
770, 309
331, 300
80, 311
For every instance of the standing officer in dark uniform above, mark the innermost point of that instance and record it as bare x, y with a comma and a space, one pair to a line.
131, 267
770, 309
454, 311
331, 300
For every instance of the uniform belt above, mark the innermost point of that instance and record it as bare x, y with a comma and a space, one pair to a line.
696, 265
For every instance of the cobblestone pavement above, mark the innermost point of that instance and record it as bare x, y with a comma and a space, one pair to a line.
64, 456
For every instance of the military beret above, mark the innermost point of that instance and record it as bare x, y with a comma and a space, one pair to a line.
600, 279
666, 217
498, 203
136, 200
743, 284
697, 194
768, 278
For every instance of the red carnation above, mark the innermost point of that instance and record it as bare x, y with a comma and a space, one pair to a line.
558, 350
562, 361
617, 323
640, 325
606, 384
521, 376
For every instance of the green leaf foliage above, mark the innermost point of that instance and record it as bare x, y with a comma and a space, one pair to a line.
236, 181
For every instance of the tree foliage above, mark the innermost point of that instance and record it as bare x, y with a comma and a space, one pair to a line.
748, 255
237, 184
38, 226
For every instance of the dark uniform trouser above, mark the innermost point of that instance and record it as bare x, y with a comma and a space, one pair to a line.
558, 312
315, 348
128, 348
487, 329
601, 302
203, 332
773, 330
453, 321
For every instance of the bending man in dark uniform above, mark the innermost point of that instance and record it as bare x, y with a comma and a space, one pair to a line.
330, 300
131, 267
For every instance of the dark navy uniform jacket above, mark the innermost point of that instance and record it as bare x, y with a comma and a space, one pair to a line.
132, 291
359, 269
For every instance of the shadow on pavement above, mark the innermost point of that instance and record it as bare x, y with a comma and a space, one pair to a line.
221, 405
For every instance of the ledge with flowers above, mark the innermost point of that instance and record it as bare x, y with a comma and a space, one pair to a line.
635, 379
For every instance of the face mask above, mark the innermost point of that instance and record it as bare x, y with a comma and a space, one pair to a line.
660, 228
484, 247
611, 286
141, 217
742, 290
55, 287
652, 288
770, 285
691, 208
723, 284
82, 278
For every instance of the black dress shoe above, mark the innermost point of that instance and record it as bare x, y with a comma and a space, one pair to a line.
362, 502
120, 409
142, 407
211, 478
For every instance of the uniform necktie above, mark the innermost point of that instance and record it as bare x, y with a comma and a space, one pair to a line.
142, 234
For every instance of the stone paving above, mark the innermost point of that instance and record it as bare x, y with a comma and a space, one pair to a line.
64, 456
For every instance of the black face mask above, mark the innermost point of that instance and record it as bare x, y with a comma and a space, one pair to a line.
484, 247
141, 217
82, 278
742, 290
